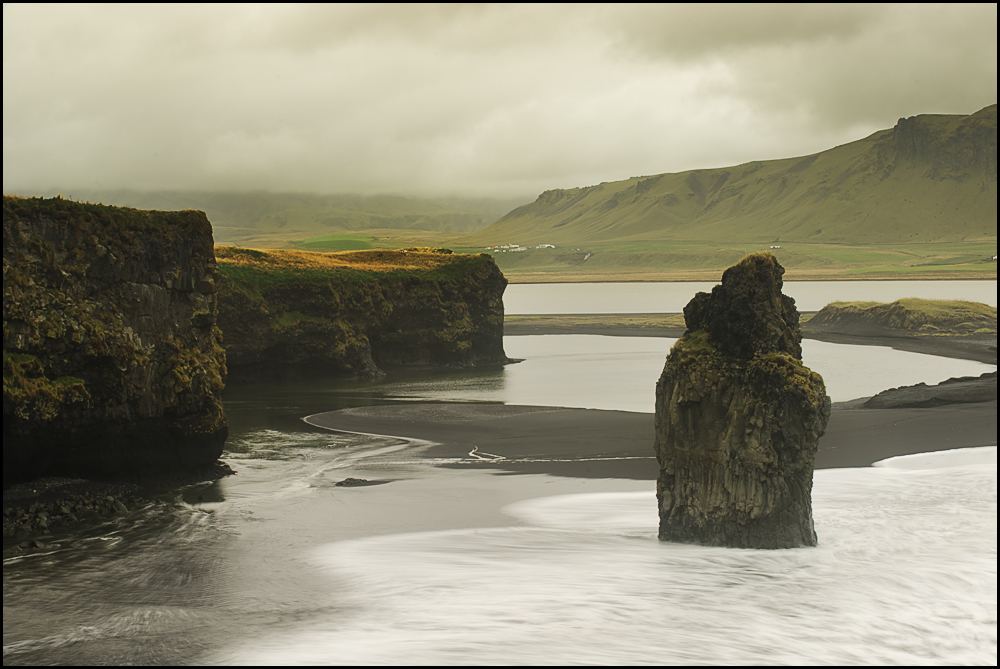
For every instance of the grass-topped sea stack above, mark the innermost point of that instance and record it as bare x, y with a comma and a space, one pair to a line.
112, 364
738, 418
289, 314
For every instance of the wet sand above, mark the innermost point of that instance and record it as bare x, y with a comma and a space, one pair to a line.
588, 443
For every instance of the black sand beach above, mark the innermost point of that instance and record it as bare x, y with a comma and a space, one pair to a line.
590, 443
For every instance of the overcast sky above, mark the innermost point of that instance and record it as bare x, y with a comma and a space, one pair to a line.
499, 100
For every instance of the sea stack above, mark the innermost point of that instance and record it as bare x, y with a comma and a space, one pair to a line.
112, 363
738, 418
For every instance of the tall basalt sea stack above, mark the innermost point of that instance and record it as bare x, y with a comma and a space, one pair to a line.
112, 363
738, 418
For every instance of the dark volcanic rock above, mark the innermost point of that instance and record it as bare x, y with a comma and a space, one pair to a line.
962, 390
112, 364
738, 418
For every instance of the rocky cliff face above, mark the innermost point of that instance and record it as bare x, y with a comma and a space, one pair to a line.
289, 313
738, 418
967, 151
111, 359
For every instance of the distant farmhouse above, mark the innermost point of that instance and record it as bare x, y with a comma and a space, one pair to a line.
513, 248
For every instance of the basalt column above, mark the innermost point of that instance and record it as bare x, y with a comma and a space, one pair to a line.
738, 418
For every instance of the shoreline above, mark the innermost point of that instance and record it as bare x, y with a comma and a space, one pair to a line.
515, 276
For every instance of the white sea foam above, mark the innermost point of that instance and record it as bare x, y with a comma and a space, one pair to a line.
905, 573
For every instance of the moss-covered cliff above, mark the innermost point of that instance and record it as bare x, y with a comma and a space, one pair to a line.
112, 363
290, 313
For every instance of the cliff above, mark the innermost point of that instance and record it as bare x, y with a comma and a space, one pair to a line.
738, 418
353, 314
111, 360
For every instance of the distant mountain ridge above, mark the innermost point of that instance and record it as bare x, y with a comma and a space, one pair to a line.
931, 178
276, 219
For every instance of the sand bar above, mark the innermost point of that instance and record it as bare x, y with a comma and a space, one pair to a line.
591, 443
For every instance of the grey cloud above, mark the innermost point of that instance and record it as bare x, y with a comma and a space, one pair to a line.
463, 99
680, 30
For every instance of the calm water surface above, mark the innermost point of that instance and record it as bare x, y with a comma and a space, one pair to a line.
441, 566
620, 373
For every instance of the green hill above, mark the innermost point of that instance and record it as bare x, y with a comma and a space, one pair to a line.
931, 178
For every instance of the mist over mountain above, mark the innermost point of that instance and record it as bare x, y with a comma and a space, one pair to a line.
931, 178
276, 219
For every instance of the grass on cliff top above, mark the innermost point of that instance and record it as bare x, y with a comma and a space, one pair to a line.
266, 267
931, 316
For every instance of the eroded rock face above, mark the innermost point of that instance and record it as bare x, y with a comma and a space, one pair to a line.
738, 418
111, 359
288, 314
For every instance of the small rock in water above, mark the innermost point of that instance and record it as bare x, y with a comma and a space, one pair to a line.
350, 482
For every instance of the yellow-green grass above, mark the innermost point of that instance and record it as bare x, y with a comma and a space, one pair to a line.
338, 242
376, 238
257, 269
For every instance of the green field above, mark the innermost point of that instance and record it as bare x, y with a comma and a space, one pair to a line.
337, 243
680, 260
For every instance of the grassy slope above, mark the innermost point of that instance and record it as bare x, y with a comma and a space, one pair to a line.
873, 191
915, 200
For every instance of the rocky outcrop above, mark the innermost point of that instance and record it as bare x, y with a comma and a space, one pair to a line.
738, 418
909, 316
967, 151
961, 390
112, 364
354, 314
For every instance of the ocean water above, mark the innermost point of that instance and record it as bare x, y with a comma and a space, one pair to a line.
905, 573
278, 565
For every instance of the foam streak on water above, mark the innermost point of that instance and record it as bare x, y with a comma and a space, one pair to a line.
905, 574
